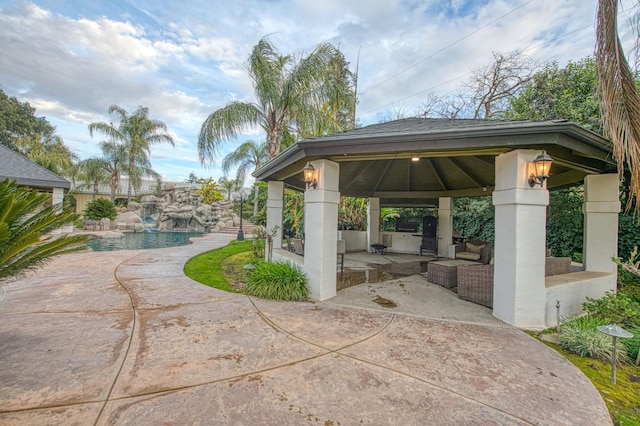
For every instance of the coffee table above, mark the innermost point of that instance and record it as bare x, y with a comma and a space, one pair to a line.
444, 272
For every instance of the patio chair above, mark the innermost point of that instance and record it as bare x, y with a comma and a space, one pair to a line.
474, 250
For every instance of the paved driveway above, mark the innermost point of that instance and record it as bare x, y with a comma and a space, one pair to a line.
125, 338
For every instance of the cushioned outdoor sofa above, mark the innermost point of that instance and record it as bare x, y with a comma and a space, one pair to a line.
475, 282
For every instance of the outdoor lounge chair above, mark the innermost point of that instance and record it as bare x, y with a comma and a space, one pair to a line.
475, 282
474, 250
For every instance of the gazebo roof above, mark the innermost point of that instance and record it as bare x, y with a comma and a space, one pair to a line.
457, 157
27, 173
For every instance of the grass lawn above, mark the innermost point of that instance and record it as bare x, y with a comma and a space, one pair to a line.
221, 268
623, 398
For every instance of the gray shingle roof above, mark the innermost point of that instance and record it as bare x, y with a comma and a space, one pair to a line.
27, 173
456, 157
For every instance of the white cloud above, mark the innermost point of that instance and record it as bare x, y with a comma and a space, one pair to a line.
183, 60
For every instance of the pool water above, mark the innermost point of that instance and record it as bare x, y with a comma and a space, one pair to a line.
142, 240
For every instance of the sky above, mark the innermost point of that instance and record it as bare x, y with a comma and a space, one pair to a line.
185, 59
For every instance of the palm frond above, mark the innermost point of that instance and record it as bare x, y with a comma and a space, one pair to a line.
620, 101
225, 124
25, 238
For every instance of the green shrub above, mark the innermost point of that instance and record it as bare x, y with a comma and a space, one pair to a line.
633, 344
100, 208
277, 281
580, 336
616, 308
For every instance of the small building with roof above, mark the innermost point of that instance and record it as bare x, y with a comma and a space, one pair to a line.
15, 166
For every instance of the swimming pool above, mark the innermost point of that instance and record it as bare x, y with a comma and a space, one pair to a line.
142, 240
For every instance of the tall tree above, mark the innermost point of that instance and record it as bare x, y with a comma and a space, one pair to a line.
18, 120
248, 157
290, 100
560, 93
114, 156
229, 186
34, 137
493, 85
91, 173
136, 132
26, 241
486, 94
620, 100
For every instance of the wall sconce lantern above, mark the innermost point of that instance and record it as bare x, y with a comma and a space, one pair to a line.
542, 164
310, 176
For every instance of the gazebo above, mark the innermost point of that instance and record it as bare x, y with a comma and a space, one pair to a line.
426, 162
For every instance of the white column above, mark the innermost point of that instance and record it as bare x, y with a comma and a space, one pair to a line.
373, 222
445, 226
601, 208
321, 230
275, 207
58, 196
519, 281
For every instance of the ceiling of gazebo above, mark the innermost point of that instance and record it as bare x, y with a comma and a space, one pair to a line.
456, 157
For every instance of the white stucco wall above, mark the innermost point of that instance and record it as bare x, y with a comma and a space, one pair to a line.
572, 291
402, 242
355, 240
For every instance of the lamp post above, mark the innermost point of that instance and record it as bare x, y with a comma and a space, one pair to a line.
242, 197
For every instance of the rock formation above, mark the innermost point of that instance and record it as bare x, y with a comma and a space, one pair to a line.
177, 209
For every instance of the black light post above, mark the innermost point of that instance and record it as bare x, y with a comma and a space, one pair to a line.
240, 231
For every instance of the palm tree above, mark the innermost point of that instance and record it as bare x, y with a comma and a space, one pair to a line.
620, 100
290, 100
249, 156
26, 241
137, 132
114, 156
229, 186
92, 172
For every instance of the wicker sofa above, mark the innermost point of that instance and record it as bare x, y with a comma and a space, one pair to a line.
475, 282
475, 251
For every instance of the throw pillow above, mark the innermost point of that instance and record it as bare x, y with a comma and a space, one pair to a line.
475, 248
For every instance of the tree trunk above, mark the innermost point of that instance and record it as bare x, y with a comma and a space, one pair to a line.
95, 190
273, 142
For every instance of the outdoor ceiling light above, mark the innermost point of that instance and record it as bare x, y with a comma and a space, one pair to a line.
415, 158
542, 164
310, 176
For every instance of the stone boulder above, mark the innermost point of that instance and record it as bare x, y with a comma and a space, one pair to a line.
112, 235
128, 220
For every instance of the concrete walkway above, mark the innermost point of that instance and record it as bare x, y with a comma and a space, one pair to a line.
125, 338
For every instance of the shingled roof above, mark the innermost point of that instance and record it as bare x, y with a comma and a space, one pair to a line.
27, 173
457, 157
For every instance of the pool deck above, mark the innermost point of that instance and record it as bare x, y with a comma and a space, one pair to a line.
123, 337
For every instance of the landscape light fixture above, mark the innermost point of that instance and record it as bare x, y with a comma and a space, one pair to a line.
310, 176
542, 165
615, 331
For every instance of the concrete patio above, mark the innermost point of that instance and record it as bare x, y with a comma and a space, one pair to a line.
125, 338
